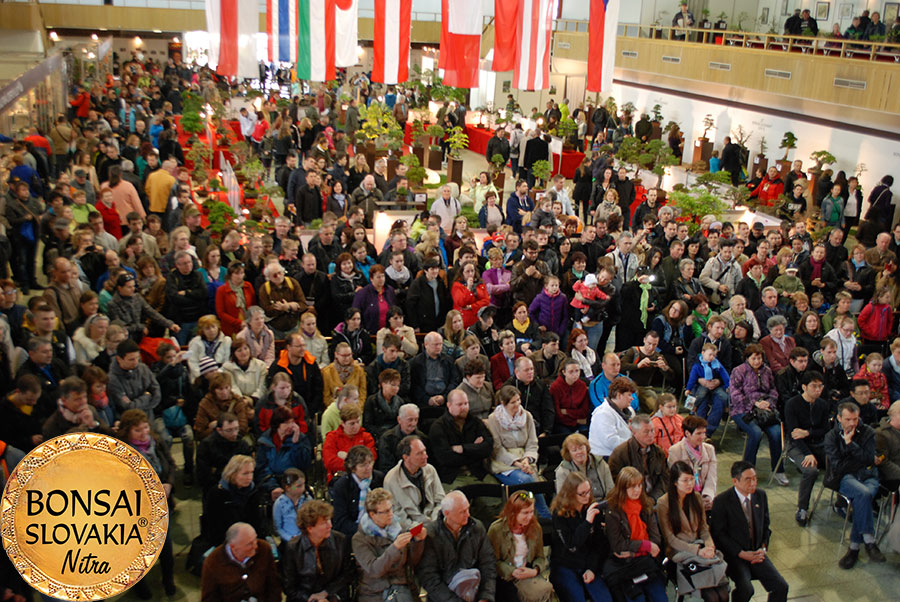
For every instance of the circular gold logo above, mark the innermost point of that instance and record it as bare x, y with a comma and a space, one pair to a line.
84, 517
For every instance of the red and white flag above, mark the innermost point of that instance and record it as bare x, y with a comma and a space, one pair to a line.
232, 27
533, 26
391, 41
461, 25
506, 18
604, 17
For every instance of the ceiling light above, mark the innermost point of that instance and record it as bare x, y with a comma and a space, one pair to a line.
54, 36
157, 31
95, 37
138, 41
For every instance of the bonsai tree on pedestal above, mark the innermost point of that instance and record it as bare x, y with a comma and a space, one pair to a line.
541, 170
457, 141
436, 133
787, 143
415, 172
191, 121
498, 177
708, 124
657, 156
822, 158
691, 204
566, 129
201, 156
741, 137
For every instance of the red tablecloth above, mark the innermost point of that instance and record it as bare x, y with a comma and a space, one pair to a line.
478, 139
570, 161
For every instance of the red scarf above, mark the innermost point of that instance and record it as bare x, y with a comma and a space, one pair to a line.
817, 268
632, 510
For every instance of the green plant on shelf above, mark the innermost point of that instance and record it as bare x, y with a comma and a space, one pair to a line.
497, 164
436, 133
220, 215
415, 172
657, 113
566, 128
457, 141
822, 158
200, 155
763, 147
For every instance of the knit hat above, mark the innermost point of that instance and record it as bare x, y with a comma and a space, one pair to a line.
207, 365
590, 280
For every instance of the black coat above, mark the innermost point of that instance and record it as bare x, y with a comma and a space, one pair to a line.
627, 193
16, 427
731, 157
444, 435
421, 312
536, 149
213, 453
190, 306
345, 499
302, 578
308, 204
729, 528
222, 507
536, 399
577, 544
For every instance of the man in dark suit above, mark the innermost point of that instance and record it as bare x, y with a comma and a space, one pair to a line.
740, 529
731, 160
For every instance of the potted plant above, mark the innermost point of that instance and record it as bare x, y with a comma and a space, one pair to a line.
722, 23
566, 129
498, 175
191, 121
419, 140
703, 146
541, 170
457, 141
435, 154
415, 172
704, 23
741, 137
788, 142
656, 122
760, 161
656, 156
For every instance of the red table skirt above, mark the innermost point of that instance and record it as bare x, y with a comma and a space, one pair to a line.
478, 139
570, 160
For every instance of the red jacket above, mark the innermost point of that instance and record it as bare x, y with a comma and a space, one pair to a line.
227, 309
768, 190
777, 359
878, 388
572, 403
463, 297
668, 431
500, 369
111, 221
82, 103
875, 321
337, 441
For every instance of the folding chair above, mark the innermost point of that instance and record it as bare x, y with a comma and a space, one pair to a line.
784, 455
849, 503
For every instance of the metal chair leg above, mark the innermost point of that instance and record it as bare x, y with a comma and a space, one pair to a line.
816, 502
725, 429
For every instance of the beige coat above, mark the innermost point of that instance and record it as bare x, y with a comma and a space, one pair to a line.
682, 541
407, 496
510, 446
708, 464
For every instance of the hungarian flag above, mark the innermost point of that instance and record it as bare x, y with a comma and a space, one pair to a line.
281, 27
602, 45
461, 24
327, 37
522, 33
232, 27
391, 41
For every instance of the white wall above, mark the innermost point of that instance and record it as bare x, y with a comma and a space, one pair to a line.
881, 156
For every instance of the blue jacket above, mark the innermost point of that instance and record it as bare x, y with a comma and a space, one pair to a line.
718, 371
891, 372
512, 211
599, 391
271, 463
284, 515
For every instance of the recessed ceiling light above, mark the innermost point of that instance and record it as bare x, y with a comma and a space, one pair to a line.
157, 31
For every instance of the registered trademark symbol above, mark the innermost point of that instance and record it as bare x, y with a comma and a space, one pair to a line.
142, 522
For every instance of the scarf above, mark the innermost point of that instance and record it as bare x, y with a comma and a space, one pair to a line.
141, 446
710, 368
578, 275
858, 264
521, 326
66, 413
368, 526
100, 401
344, 372
816, 268
392, 408
645, 301
364, 485
339, 197
632, 509
240, 299
507, 422
397, 276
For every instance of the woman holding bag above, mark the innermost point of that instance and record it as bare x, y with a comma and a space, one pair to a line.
682, 522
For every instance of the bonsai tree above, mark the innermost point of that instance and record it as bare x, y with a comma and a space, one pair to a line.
656, 156
457, 141
694, 203
415, 172
201, 156
436, 133
191, 121
822, 158
630, 151
541, 170
860, 170
670, 127
708, 124
566, 128
611, 106
741, 137
418, 131
763, 146
629, 109
497, 164
657, 113
787, 143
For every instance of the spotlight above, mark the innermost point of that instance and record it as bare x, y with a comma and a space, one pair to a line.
54, 36
95, 37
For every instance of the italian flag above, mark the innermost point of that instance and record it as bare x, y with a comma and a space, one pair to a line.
326, 37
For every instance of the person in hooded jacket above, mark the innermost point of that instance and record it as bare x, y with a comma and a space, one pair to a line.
302, 367
281, 395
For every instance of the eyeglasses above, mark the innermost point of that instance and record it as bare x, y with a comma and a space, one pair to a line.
524, 494
11, 291
583, 493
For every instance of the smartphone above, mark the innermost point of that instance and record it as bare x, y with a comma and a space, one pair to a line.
416, 530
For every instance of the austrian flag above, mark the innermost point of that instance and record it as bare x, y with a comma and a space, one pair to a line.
391, 41
602, 44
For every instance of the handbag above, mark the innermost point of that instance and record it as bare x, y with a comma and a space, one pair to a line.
764, 418
626, 575
26, 231
694, 573
174, 418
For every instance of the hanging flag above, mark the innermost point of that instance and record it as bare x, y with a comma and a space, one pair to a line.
506, 14
461, 24
320, 49
534, 25
604, 17
391, 41
232, 27
281, 27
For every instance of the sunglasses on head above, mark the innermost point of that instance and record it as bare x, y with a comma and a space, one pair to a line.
523, 495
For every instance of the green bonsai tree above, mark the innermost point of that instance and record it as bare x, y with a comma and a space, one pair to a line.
415, 172
694, 203
566, 128
763, 146
656, 155
436, 133
541, 170
787, 143
457, 141
630, 151
200, 155
657, 113
497, 164
822, 158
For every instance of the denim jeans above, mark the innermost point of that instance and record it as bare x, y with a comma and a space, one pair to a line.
187, 332
710, 410
570, 586
654, 591
514, 166
517, 477
861, 494
754, 436
594, 334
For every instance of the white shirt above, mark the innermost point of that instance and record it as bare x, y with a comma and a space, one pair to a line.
446, 210
608, 430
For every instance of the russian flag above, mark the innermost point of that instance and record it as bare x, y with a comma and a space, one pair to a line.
281, 27
604, 18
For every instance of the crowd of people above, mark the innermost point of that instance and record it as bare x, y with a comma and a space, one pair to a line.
445, 364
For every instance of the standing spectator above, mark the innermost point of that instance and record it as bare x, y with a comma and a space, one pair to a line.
186, 296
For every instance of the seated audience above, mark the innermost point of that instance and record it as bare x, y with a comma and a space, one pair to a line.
577, 457
503, 363
461, 444
642, 454
699, 456
352, 488
221, 398
304, 371
317, 564
477, 388
210, 342
414, 484
339, 441
259, 336
214, 451
391, 357
667, 423
610, 420
248, 374
235, 498
331, 417
228, 579
571, 400
807, 419
73, 412
432, 377
887, 445
708, 383
280, 447
381, 409
343, 371
388, 443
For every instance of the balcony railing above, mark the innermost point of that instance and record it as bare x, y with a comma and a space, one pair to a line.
822, 46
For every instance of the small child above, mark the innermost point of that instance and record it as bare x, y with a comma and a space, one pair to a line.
817, 302
331, 417
715, 164
668, 422
788, 283
709, 378
544, 215
284, 512
878, 389
549, 308
590, 297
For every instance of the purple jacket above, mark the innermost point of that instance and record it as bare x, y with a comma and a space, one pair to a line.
550, 312
748, 387
366, 300
496, 280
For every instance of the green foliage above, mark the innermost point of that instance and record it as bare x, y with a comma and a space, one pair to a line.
657, 113
221, 215
656, 155
693, 204
541, 170
629, 109
457, 141
379, 124
611, 105
497, 163
712, 181
787, 143
416, 173
671, 126
200, 155
241, 152
630, 151
566, 128
436, 133
252, 170
708, 124
763, 146
822, 158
